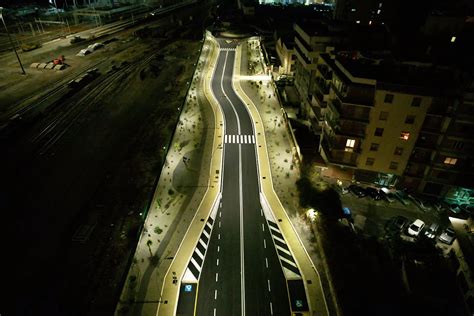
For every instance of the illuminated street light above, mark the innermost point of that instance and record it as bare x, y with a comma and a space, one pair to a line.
11, 42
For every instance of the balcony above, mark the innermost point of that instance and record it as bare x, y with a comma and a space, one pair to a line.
351, 97
325, 72
346, 128
433, 124
350, 112
414, 171
339, 157
427, 141
305, 61
421, 156
321, 85
440, 107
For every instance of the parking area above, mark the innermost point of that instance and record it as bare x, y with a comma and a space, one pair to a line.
374, 216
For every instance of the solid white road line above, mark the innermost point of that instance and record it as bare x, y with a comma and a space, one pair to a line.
269, 289
266, 262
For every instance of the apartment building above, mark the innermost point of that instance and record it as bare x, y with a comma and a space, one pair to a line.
395, 124
311, 39
285, 49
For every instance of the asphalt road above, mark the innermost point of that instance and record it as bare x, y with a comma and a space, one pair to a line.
240, 243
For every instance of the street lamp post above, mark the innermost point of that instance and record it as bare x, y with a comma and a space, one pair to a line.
11, 42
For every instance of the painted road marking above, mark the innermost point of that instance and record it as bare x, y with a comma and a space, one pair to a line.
269, 289
239, 139
266, 262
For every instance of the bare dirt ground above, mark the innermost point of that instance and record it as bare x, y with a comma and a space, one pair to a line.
91, 171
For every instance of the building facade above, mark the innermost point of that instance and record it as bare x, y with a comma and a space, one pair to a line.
395, 124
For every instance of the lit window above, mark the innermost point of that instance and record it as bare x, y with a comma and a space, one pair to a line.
405, 135
388, 98
374, 147
378, 131
370, 161
383, 116
450, 161
393, 165
353, 10
453, 39
350, 143
398, 151
410, 119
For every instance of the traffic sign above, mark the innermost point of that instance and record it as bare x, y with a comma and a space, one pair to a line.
188, 288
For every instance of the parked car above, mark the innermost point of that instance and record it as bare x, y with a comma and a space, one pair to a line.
416, 227
84, 52
432, 231
387, 195
95, 46
373, 193
396, 224
402, 197
418, 202
341, 190
447, 236
357, 190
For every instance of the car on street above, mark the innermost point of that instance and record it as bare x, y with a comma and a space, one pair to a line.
387, 195
432, 231
396, 224
402, 197
373, 193
447, 236
341, 190
416, 227
418, 202
357, 190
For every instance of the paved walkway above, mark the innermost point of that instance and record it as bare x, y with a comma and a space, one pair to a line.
180, 190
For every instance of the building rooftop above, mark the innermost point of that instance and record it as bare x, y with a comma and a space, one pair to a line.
402, 77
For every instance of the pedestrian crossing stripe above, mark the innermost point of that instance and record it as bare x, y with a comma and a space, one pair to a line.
228, 48
239, 139
290, 268
196, 262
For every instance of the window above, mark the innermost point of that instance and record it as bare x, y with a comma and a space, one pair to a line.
458, 144
388, 98
374, 147
398, 151
405, 135
369, 162
416, 102
378, 131
350, 143
450, 161
393, 165
383, 116
410, 119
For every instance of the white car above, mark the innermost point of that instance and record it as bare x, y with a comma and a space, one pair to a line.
95, 46
416, 227
447, 236
84, 52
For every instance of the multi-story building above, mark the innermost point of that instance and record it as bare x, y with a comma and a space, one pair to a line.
285, 49
395, 123
311, 39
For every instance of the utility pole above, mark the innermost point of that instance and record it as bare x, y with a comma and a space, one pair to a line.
11, 42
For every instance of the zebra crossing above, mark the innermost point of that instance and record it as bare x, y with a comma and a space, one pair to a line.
197, 259
239, 139
290, 269
227, 48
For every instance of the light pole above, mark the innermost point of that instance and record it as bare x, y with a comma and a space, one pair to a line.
11, 42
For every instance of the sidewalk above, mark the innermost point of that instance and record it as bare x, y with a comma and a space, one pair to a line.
284, 166
179, 192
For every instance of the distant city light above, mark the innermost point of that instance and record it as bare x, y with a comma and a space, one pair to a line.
453, 39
